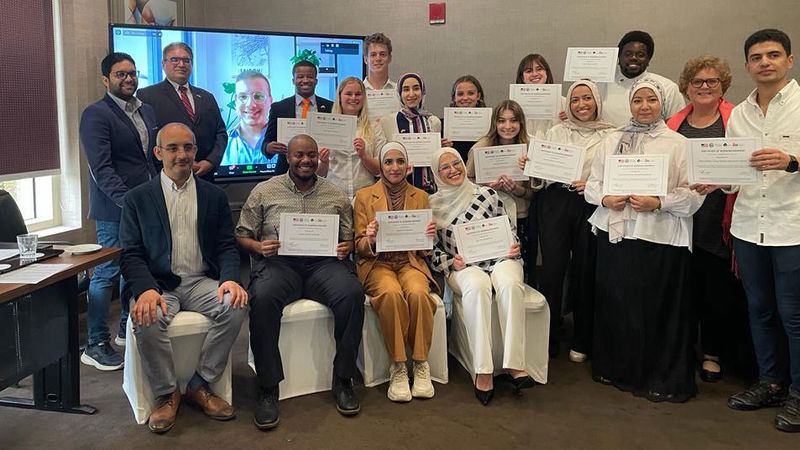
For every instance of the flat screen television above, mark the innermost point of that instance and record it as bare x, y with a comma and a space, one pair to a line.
221, 55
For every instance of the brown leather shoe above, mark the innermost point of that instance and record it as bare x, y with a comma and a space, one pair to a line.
212, 405
163, 416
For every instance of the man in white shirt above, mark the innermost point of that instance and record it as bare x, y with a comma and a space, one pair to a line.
765, 224
377, 56
635, 52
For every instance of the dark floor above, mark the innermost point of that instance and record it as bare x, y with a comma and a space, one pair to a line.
570, 411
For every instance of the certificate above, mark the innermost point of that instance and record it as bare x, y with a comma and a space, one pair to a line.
484, 239
596, 64
381, 102
403, 230
334, 131
538, 101
466, 124
636, 175
419, 146
308, 234
555, 162
491, 162
289, 128
722, 160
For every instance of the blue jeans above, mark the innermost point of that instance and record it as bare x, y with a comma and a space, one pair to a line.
101, 285
771, 279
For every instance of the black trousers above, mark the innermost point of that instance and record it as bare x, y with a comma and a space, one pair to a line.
280, 280
530, 246
567, 245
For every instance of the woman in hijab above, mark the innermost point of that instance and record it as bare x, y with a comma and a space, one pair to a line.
460, 201
566, 238
642, 339
413, 118
398, 283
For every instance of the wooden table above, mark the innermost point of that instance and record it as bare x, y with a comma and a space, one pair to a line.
39, 336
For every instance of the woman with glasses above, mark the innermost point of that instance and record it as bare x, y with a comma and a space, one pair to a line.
717, 295
355, 169
460, 201
642, 338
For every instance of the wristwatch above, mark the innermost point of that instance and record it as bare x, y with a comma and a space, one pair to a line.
792, 167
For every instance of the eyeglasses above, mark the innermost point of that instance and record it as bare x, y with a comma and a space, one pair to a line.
188, 148
710, 82
258, 97
175, 60
121, 74
453, 165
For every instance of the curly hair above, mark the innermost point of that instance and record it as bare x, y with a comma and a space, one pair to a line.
695, 65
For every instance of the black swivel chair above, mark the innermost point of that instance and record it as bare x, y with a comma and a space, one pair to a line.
11, 223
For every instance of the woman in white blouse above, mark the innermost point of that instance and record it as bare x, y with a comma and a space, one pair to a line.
642, 339
355, 168
458, 201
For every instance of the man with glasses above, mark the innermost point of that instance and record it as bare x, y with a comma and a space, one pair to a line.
175, 100
253, 98
190, 263
116, 135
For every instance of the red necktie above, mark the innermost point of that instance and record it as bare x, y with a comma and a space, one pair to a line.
186, 103
306, 106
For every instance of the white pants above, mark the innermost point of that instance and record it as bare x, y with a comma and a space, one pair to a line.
475, 287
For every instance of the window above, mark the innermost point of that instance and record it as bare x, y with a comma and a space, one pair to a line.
36, 198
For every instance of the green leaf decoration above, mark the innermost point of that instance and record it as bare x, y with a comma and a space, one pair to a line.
306, 55
229, 88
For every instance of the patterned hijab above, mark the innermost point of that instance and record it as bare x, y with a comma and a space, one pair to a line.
395, 193
449, 201
573, 123
630, 139
412, 114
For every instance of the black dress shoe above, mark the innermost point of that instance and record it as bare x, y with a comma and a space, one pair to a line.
658, 397
484, 396
788, 418
709, 376
602, 380
267, 414
759, 395
346, 400
524, 382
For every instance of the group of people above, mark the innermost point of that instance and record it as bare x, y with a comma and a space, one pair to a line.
640, 273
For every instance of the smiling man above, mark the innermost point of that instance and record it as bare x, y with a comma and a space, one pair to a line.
253, 99
635, 52
377, 57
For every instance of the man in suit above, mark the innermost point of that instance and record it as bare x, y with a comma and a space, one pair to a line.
304, 77
179, 253
175, 100
116, 134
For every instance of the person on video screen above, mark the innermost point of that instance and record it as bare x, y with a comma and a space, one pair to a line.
253, 99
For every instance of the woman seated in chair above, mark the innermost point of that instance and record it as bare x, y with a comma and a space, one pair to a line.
459, 201
398, 283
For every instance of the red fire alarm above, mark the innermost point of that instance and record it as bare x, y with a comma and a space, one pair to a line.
436, 13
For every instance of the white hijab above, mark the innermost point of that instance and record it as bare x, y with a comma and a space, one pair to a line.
449, 201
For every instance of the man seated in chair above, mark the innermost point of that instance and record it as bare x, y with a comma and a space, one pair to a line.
278, 280
179, 254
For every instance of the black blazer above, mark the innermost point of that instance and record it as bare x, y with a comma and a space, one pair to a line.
147, 243
117, 161
208, 126
286, 109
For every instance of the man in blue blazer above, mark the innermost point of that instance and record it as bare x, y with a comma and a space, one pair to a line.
117, 134
179, 254
304, 77
175, 100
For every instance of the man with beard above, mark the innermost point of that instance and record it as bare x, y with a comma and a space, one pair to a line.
117, 134
277, 280
635, 52
253, 99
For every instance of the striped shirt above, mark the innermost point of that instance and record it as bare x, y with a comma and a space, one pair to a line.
186, 258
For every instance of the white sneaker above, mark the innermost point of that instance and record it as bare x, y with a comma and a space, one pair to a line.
120, 341
423, 388
577, 357
398, 383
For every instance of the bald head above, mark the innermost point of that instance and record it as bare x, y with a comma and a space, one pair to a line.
302, 141
168, 129
303, 158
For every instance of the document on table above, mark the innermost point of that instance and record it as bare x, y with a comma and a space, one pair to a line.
381, 102
596, 64
636, 175
6, 253
308, 234
32, 274
555, 162
538, 101
289, 128
419, 146
334, 131
491, 162
484, 239
466, 124
722, 161
403, 230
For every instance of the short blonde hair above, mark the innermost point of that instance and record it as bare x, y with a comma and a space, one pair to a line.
695, 65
